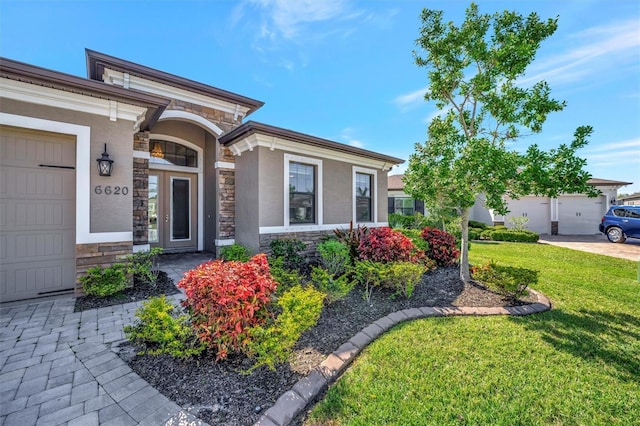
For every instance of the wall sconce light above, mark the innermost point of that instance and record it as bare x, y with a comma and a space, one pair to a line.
157, 150
105, 165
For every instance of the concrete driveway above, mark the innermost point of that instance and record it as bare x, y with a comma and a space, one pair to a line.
595, 244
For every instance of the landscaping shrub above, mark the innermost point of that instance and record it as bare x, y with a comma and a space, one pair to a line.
225, 299
402, 277
370, 275
289, 250
415, 221
476, 224
351, 238
516, 236
236, 252
387, 245
160, 329
284, 277
442, 246
334, 256
334, 287
301, 309
509, 281
142, 265
104, 282
474, 233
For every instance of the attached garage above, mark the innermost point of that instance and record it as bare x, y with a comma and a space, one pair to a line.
37, 218
580, 215
537, 211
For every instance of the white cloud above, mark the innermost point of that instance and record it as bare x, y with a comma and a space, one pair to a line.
593, 52
616, 145
410, 100
286, 18
347, 134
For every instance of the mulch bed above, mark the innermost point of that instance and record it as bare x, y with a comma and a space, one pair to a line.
220, 393
139, 291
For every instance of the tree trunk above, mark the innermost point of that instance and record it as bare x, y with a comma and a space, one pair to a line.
465, 275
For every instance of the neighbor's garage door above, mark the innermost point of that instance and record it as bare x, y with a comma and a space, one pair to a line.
580, 214
535, 209
37, 213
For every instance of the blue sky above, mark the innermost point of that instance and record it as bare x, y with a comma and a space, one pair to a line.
343, 69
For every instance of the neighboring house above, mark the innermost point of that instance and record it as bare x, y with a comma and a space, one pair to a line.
566, 215
398, 201
630, 200
187, 174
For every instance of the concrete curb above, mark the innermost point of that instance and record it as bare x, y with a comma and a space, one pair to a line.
294, 401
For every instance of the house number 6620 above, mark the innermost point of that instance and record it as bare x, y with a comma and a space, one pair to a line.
111, 190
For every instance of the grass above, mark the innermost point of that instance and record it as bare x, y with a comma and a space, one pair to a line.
578, 364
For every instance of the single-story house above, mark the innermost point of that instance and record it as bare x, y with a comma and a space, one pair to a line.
130, 158
630, 200
569, 214
398, 201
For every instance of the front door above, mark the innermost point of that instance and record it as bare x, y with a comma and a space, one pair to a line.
173, 223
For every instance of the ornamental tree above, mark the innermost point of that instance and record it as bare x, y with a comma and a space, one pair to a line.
471, 149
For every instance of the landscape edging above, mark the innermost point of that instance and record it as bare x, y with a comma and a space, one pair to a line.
294, 401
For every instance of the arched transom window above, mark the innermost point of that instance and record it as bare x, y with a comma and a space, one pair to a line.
165, 152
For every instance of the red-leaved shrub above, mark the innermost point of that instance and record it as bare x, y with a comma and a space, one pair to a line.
386, 245
442, 246
226, 299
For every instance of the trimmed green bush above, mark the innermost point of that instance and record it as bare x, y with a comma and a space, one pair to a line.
509, 281
415, 221
402, 277
142, 265
272, 344
370, 275
326, 282
104, 282
160, 329
284, 277
515, 236
334, 256
235, 252
476, 224
289, 250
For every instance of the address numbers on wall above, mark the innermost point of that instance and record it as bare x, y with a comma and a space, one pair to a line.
111, 190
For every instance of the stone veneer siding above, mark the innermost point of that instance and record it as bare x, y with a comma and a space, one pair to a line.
554, 227
498, 223
311, 240
98, 254
140, 190
226, 180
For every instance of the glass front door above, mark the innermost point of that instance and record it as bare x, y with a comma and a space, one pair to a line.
173, 210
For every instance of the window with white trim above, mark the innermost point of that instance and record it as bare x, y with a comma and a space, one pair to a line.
303, 178
364, 193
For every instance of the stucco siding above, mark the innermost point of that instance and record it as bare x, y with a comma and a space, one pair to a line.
109, 212
338, 192
183, 130
248, 204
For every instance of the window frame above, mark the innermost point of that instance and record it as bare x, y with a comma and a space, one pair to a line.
373, 174
317, 164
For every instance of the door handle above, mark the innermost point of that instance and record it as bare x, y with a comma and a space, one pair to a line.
166, 218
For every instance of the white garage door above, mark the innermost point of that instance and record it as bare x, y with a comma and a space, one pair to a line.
535, 209
37, 214
580, 215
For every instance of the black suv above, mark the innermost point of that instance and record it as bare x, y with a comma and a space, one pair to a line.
620, 223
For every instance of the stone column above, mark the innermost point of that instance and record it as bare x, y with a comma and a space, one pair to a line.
140, 188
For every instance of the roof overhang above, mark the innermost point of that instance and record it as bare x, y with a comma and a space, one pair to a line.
130, 75
251, 134
29, 83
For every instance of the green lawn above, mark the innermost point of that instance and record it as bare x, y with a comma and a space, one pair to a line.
578, 364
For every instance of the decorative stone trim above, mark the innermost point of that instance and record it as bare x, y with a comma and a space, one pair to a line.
307, 389
98, 254
554, 227
311, 240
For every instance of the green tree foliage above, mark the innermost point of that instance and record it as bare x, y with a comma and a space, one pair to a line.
474, 73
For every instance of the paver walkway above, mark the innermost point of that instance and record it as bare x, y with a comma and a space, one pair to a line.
57, 366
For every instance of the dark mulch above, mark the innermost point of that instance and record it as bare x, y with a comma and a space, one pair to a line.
219, 393
139, 291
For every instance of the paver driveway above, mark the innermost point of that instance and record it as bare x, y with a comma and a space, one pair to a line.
595, 244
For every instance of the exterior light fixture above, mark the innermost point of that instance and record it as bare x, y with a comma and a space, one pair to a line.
157, 150
105, 165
